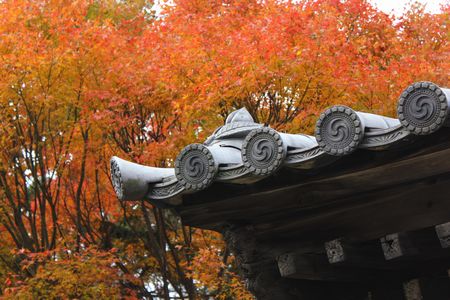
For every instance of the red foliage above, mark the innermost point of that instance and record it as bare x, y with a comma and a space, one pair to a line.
84, 80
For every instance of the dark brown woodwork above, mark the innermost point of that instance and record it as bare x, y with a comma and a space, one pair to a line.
422, 244
343, 252
316, 195
346, 205
390, 291
436, 287
317, 267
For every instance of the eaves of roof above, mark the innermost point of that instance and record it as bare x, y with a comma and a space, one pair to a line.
243, 158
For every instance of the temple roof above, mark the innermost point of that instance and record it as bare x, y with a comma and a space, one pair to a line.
365, 200
244, 165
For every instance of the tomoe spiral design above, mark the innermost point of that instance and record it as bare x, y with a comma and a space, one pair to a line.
339, 130
195, 168
422, 108
263, 151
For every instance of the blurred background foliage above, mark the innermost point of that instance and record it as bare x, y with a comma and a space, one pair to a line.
83, 80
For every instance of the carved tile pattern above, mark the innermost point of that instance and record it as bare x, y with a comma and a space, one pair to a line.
423, 108
263, 151
116, 179
234, 173
166, 191
298, 157
339, 130
195, 167
385, 138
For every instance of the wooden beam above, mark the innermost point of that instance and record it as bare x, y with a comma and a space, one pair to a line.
399, 209
426, 243
312, 267
361, 254
317, 267
297, 190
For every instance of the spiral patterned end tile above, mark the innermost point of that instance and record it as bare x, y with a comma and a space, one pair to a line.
263, 151
116, 179
422, 108
339, 131
195, 168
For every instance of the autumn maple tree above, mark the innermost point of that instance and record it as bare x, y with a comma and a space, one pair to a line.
83, 80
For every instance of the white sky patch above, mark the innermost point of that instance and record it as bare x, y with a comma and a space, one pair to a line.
158, 6
398, 6
387, 6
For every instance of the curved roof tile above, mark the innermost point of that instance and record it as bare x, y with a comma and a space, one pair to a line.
243, 152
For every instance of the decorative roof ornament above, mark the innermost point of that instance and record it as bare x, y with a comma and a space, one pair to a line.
131, 181
424, 107
240, 116
195, 167
340, 130
263, 151
238, 124
242, 151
